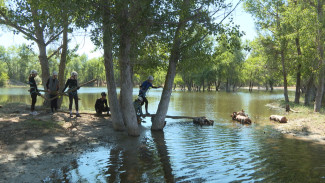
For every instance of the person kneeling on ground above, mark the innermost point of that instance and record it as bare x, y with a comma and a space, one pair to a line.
138, 108
101, 105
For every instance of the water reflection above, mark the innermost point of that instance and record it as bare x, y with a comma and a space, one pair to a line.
159, 139
225, 152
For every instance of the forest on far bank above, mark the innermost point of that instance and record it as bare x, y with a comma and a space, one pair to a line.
191, 44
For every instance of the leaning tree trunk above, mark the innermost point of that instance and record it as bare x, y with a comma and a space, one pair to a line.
63, 60
320, 42
158, 122
297, 95
128, 111
285, 83
116, 114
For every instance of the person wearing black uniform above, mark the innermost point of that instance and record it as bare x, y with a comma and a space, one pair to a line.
101, 105
73, 85
33, 91
52, 86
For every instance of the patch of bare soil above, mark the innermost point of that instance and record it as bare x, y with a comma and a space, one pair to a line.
32, 146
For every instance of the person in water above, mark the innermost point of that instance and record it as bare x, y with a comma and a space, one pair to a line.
144, 87
72, 83
101, 105
33, 91
52, 86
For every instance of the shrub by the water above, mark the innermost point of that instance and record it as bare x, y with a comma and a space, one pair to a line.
3, 79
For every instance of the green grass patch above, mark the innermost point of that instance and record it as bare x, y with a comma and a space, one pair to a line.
300, 107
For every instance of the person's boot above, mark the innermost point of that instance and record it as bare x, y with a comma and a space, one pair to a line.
71, 115
78, 115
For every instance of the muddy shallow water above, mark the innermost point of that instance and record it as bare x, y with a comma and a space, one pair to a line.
224, 152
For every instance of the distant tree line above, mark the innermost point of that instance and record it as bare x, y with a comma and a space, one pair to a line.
181, 43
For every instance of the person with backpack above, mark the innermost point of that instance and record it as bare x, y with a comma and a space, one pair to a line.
52, 86
33, 91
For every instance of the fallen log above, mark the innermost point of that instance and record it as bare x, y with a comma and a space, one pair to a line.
202, 121
241, 117
281, 119
196, 120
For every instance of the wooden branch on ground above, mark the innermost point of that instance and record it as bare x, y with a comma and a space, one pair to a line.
281, 119
72, 89
66, 95
294, 111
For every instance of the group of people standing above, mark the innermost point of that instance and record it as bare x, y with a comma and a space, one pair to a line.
52, 87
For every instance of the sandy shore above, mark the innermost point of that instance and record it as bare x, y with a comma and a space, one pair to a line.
303, 124
32, 146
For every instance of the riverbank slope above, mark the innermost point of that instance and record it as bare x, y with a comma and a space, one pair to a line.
32, 146
303, 123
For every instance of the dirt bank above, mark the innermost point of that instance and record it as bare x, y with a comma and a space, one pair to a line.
302, 124
32, 146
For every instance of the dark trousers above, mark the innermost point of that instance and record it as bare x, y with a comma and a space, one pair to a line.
100, 110
54, 103
34, 99
71, 97
146, 102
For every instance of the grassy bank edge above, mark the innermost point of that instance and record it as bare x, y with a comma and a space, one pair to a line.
304, 124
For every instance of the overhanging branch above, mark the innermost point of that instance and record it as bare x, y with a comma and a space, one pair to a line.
53, 38
55, 52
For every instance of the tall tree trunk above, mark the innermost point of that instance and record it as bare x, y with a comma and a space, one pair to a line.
320, 42
158, 122
126, 98
203, 87
218, 85
266, 87
189, 86
116, 115
39, 33
63, 60
297, 95
309, 90
227, 86
284, 72
271, 84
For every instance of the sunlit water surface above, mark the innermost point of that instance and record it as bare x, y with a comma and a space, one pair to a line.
224, 152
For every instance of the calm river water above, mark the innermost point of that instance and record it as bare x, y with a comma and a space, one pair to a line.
224, 152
